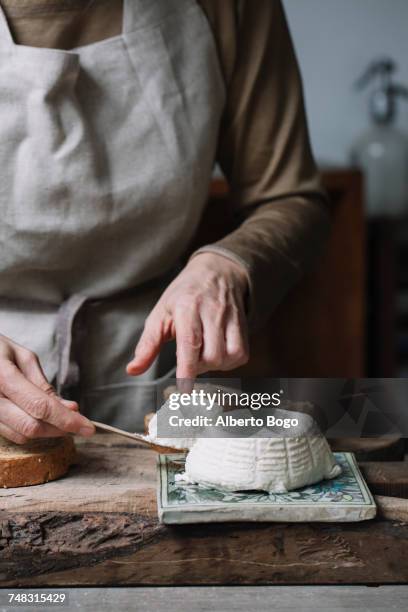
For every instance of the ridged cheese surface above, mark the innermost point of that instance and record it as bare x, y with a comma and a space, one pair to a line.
269, 464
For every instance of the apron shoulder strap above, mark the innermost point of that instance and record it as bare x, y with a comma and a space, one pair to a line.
141, 14
6, 39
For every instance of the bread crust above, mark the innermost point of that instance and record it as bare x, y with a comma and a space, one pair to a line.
36, 462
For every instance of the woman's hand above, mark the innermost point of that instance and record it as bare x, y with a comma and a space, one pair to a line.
203, 308
29, 406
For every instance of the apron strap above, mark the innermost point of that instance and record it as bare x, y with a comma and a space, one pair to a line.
6, 39
68, 370
140, 14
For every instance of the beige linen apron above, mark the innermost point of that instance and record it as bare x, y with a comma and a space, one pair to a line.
106, 154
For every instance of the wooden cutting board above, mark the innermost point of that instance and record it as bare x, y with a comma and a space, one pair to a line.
98, 526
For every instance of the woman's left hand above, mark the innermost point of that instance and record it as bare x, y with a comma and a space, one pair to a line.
203, 309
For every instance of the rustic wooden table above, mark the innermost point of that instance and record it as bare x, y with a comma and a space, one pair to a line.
98, 527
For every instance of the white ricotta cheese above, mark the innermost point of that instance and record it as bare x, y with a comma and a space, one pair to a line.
288, 460
268, 464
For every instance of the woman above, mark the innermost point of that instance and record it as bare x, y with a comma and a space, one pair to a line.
113, 115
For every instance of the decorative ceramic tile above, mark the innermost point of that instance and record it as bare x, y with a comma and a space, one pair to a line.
345, 498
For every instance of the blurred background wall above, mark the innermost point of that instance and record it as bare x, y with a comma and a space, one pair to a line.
349, 317
335, 40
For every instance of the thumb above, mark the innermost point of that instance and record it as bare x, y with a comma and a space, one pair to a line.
70, 404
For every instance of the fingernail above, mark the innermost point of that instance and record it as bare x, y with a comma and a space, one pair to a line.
70, 404
86, 431
133, 365
185, 385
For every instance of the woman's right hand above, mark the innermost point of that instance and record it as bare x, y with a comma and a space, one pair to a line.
29, 405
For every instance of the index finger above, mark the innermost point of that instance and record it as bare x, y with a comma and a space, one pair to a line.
39, 404
189, 339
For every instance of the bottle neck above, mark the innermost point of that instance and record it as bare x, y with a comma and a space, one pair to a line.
382, 107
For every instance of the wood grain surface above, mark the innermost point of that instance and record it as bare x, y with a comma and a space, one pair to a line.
98, 526
111, 475
386, 477
92, 549
392, 508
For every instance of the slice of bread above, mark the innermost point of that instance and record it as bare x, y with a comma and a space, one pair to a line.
36, 462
